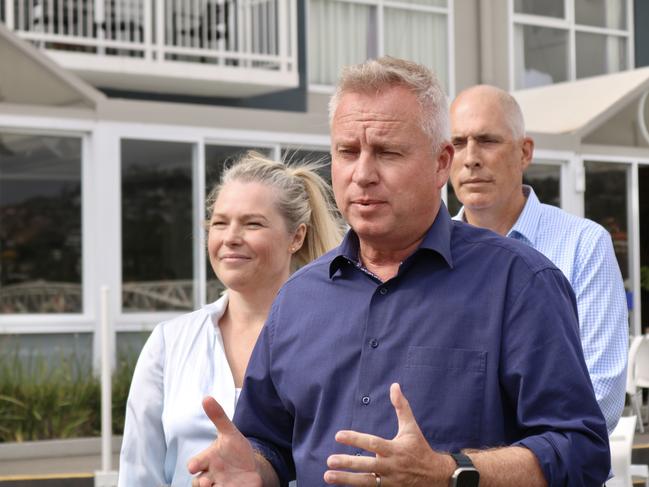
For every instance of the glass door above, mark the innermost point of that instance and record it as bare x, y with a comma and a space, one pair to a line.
607, 201
643, 206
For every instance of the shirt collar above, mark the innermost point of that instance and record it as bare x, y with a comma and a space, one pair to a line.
526, 227
437, 239
459, 216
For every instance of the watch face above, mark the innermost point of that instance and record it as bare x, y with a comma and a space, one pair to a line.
466, 477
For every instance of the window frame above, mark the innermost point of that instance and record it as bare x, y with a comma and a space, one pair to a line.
568, 24
554, 161
381, 5
199, 137
42, 322
101, 233
633, 224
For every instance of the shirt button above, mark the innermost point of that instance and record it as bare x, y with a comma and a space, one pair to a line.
383, 291
365, 400
374, 343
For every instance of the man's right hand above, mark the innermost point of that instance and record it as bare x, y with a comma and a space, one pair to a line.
230, 460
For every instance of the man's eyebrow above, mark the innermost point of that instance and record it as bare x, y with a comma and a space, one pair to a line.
487, 134
481, 135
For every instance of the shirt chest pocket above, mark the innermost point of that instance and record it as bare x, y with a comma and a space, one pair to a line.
445, 388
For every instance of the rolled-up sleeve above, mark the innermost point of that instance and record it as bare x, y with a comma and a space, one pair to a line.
260, 414
544, 374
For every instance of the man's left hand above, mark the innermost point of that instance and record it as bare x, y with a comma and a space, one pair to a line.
405, 460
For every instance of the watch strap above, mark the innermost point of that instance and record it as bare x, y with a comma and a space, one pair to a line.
462, 460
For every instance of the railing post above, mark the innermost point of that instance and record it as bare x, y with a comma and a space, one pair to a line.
147, 26
284, 32
292, 54
106, 477
241, 29
160, 29
106, 386
9, 14
100, 25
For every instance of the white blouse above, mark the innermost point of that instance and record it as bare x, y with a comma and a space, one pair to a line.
182, 361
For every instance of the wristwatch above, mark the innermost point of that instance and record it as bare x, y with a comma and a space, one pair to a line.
465, 475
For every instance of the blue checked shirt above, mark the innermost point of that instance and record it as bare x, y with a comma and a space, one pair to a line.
583, 250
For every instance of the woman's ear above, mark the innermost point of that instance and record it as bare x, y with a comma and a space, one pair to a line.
298, 238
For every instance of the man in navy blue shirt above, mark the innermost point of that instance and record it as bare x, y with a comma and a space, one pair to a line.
417, 337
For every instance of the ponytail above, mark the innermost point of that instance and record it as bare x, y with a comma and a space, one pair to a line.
324, 228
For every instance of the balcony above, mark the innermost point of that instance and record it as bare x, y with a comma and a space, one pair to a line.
225, 48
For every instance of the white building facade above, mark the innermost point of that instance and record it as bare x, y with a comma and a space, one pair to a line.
116, 117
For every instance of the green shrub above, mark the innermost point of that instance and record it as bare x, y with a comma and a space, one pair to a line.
644, 277
39, 401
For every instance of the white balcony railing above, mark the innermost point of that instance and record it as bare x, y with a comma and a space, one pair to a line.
128, 43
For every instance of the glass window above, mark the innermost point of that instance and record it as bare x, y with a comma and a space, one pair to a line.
318, 156
40, 224
157, 226
541, 55
420, 37
343, 32
599, 54
546, 181
452, 203
601, 13
340, 33
643, 191
217, 157
543, 48
430, 3
547, 8
128, 345
605, 202
47, 349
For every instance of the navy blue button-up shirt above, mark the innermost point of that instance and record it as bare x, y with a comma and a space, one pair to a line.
480, 331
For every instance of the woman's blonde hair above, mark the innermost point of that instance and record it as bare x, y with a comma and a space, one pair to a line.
302, 197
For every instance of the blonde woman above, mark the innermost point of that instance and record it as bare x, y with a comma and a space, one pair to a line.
266, 219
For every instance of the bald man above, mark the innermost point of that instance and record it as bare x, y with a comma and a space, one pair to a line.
491, 154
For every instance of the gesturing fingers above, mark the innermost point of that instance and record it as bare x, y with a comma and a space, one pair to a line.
357, 463
198, 463
217, 415
364, 441
201, 482
349, 478
214, 411
405, 417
